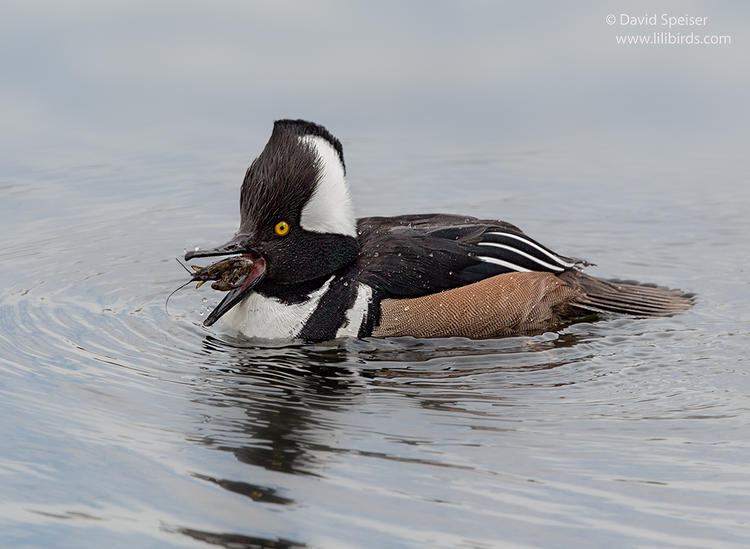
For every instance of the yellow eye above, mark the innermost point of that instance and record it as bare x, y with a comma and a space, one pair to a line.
281, 228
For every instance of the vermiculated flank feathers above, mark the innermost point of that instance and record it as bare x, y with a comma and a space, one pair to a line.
522, 303
502, 305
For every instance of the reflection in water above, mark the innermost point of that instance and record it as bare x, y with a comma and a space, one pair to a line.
441, 374
279, 392
255, 492
236, 541
410, 350
282, 391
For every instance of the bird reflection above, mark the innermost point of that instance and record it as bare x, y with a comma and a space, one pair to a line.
278, 408
255, 492
284, 394
237, 541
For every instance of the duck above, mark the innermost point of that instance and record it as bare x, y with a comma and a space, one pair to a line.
303, 267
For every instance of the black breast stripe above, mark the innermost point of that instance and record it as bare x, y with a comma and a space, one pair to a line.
331, 311
372, 316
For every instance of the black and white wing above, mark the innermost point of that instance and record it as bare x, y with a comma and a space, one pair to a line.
415, 255
504, 250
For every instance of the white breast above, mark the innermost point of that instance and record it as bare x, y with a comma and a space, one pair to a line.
269, 318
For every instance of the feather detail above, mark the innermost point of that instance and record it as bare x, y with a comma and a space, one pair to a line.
629, 298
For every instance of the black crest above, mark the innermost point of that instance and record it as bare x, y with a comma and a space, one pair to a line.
303, 127
283, 177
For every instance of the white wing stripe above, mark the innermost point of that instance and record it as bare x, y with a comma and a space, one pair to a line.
505, 264
524, 254
533, 245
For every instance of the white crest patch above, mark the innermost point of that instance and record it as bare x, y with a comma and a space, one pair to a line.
329, 209
268, 318
356, 315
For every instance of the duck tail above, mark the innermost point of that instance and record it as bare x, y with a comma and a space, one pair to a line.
626, 297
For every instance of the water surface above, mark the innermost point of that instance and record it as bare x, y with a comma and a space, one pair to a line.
126, 425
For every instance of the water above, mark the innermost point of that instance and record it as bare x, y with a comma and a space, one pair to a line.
127, 425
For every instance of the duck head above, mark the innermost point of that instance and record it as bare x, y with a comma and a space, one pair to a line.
296, 218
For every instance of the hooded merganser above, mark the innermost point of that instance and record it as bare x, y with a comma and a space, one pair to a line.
310, 270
